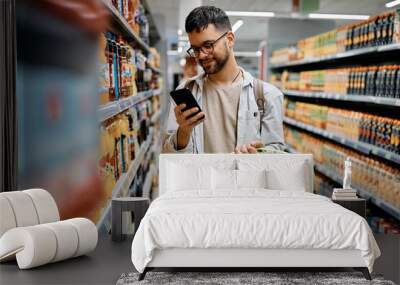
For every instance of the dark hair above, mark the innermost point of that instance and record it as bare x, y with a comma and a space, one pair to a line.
200, 17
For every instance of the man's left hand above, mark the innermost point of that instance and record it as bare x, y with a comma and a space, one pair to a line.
249, 148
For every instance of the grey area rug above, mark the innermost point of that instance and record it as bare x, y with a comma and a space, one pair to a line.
269, 278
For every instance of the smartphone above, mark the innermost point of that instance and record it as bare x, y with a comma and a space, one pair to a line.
185, 96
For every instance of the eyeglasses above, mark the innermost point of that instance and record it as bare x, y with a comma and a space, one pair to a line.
207, 48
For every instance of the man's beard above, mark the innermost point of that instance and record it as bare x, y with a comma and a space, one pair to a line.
217, 64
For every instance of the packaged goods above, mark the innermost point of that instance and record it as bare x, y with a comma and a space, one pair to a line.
368, 174
380, 131
104, 73
382, 81
106, 162
382, 29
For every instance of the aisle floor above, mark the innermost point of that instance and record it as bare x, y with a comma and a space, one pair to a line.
110, 259
102, 266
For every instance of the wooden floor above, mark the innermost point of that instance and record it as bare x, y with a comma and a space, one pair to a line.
110, 259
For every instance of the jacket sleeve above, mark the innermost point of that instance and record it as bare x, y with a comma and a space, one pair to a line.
272, 122
169, 135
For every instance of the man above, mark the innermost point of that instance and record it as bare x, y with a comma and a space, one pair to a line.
227, 95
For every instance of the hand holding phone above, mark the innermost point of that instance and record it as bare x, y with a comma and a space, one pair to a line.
188, 115
187, 112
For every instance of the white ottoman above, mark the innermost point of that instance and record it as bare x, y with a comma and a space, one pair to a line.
31, 232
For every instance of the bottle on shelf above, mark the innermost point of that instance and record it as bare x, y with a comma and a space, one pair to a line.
368, 174
372, 32
110, 60
382, 81
357, 126
382, 29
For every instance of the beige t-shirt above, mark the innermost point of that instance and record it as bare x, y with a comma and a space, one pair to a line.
220, 105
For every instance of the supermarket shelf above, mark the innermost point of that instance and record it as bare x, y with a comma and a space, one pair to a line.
123, 25
360, 146
156, 116
346, 54
392, 210
113, 108
155, 69
348, 97
156, 92
148, 182
123, 183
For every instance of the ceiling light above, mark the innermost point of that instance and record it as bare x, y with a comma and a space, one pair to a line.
237, 25
183, 38
250, 14
247, 53
392, 3
172, 52
180, 32
338, 16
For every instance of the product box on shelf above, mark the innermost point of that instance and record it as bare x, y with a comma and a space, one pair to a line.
154, 58
104, 72
132, 134
378, 220
372, 176
379, 131
106, 162
141, 19
117, 63
375, 80
125, 150
285, 55
116, 135
382, 29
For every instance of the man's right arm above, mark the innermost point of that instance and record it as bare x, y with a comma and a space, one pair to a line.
177, 137
170, 139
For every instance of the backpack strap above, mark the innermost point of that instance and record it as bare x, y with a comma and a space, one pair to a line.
259, 96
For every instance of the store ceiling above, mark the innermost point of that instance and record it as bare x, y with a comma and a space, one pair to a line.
166, 13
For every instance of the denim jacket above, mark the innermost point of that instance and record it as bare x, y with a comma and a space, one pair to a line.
248, 120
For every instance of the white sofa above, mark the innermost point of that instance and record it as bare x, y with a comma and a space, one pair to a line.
31, 231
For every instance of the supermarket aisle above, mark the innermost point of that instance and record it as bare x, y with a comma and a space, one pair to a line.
342, 100
341, 92
90, 115
91, 100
